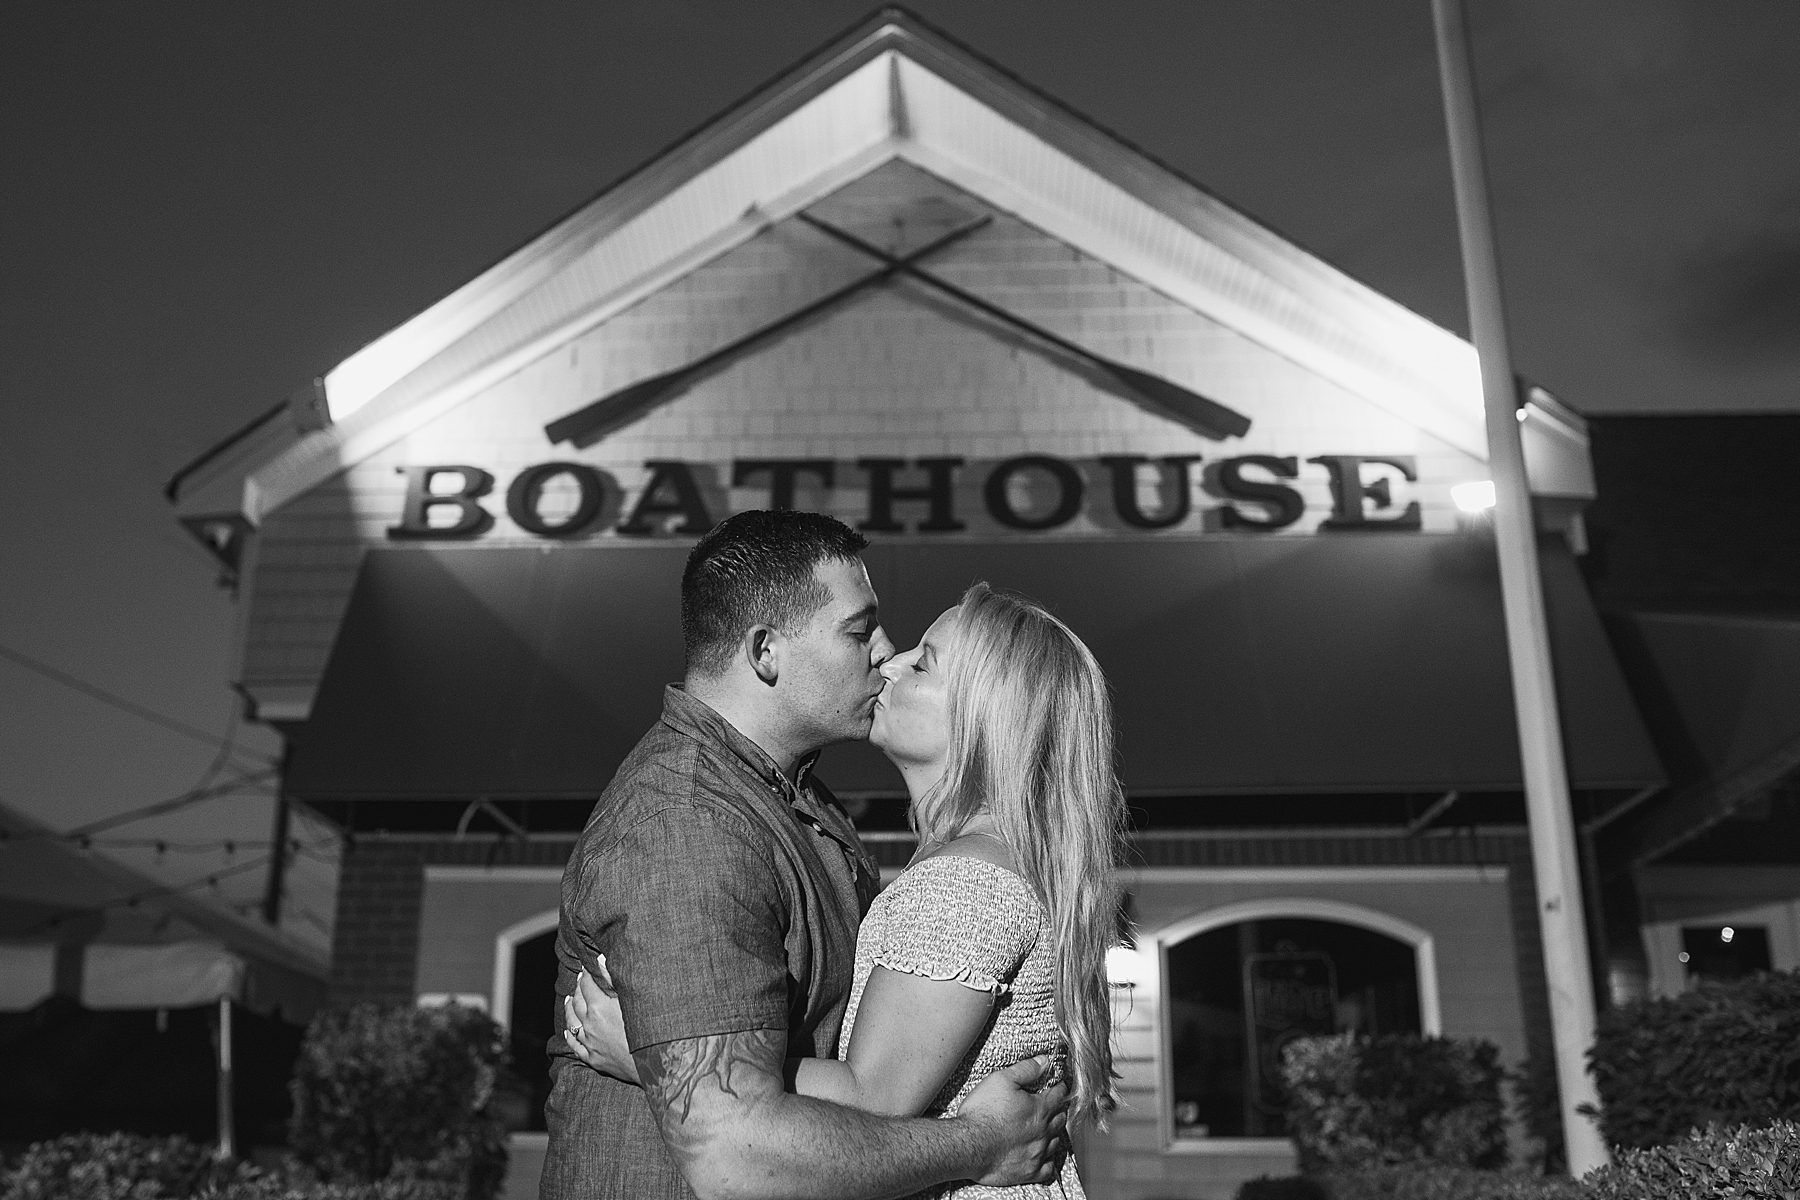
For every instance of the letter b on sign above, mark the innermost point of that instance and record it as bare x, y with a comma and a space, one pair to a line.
471, 520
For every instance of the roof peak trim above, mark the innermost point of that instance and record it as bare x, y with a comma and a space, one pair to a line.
891, 88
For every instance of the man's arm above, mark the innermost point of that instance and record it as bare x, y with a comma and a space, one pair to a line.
911, 1033
736, 1134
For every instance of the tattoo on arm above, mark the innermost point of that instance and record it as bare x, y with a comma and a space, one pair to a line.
673, 1071
719, 1104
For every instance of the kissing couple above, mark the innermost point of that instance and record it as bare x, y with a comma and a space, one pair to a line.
746, 1016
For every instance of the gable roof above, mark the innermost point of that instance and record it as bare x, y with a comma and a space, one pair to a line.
893, 88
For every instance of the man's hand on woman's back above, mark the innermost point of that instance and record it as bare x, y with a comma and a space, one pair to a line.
1027, 1120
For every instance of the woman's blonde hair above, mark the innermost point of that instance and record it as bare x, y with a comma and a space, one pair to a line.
1031, 744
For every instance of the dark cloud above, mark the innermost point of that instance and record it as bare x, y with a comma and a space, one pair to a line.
1741, 300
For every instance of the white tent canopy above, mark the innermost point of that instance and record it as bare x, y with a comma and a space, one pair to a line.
182, 974
131, 945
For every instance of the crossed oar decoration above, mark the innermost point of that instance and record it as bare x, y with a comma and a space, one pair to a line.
590, 423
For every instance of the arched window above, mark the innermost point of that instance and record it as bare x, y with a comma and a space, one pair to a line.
525, 1001
1240, 983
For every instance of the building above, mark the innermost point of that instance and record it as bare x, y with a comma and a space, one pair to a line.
1695, 568
901, 286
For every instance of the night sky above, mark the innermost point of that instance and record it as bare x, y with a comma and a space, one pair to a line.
207, 204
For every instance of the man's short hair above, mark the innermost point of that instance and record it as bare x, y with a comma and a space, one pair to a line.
756, 568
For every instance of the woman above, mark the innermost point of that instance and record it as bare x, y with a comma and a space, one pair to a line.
990, 948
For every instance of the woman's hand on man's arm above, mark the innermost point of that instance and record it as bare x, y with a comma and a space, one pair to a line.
594, 1027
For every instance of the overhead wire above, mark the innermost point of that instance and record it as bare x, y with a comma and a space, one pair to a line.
194, 795
211, 879
94, 691
183, 800
228, 753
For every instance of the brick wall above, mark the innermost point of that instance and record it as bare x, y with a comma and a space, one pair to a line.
375, 949
381, 884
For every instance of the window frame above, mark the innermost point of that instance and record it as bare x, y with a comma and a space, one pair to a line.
506, 945
1262, 909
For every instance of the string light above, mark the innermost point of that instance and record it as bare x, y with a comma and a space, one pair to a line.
163, 846
132, 901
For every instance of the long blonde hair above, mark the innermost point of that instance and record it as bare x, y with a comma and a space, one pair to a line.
1031, 744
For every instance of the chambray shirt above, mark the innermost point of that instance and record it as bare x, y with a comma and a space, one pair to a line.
725, 899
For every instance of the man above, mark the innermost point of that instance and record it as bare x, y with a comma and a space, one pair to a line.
724, 886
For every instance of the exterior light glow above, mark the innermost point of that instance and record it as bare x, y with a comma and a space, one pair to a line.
1726, 934
1473, 497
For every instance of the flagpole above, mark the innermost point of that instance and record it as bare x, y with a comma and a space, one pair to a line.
1551, 822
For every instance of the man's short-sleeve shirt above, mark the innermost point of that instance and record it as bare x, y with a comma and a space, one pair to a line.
725, 898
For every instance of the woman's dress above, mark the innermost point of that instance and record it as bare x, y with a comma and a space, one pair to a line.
970, 922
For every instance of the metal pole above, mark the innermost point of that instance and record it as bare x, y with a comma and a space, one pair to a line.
278, 854
1553, 849
227, 1129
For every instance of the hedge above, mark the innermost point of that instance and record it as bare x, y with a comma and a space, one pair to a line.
1749, 1163
112, 1166
254, 1185
1357, 1102
127, 1166
1727, 1054
1413, 1181
401, 1094
1431, 1181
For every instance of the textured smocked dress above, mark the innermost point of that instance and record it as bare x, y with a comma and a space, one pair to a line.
971, 922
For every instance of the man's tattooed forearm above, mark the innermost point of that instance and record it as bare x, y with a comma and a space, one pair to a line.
673, 1071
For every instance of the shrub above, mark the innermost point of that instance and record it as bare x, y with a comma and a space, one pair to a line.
1754, 1164
1360, 1102
112, 1166
1539, 1104
1727, 1054
1429, 1181
123, 1166
401, 1095
256, 1185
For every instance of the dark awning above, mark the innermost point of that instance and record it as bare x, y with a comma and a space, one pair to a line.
1722, 693
1362, 662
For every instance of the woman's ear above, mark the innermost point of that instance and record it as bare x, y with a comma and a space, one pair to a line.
764, 648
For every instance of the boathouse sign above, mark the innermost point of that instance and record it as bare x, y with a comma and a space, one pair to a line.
917, 495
